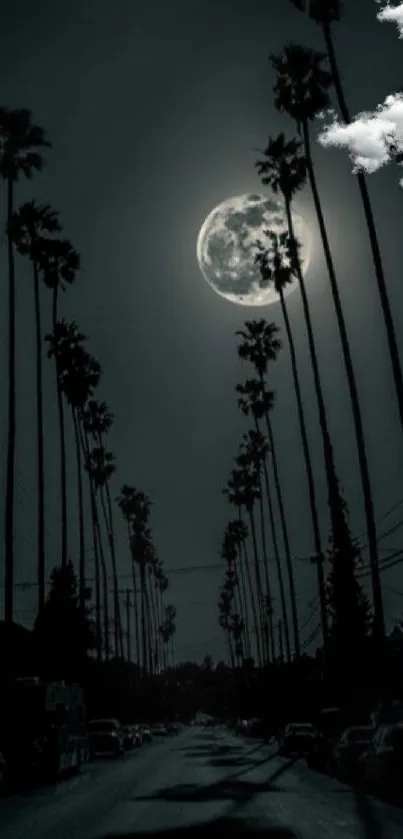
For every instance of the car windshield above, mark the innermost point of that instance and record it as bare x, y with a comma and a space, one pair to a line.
102, 725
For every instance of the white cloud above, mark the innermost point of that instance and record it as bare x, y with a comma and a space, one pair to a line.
392, 14
370, 136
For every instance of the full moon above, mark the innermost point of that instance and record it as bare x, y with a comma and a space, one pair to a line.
226, 247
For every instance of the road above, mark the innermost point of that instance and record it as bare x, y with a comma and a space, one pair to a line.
201, 784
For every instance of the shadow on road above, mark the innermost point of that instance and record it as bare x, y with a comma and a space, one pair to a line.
242, 760
230, 787
213, 830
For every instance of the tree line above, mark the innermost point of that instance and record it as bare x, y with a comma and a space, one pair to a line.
303, 82
34, 232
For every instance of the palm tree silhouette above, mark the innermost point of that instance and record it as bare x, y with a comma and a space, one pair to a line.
58, 263
254, 451
135, 507
21, 144
232, 582
101, 466
224, 613
259, 346
97, 421
301, 91
27, 229
279, 265
326, 13
283, 169
231, 551
79, 374
242, 489
255, 401
161, 585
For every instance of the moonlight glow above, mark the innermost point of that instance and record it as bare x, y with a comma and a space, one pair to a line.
226, 247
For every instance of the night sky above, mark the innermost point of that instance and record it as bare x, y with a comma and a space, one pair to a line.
155, 110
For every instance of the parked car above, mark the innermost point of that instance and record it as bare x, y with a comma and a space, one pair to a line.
296, 739
106, 737
382, 763
328, 728
128, 737
159, 730
347, 752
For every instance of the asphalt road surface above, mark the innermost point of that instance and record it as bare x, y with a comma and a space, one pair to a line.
201, 784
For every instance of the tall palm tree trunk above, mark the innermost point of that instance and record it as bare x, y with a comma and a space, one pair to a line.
116, 604
373, 238
159, 621
80, 511
308, 468
245, 601
100, 566
379, 619
231, 657
153, 625
10, 473
257, 578
334, 498
241, 609
276, 551
277, 560
41, 566
105, 588
290, 570
97, 565
161, 611
302, 425
111, 528
251, 596
143, 619
135, 599
266, 569
62, 436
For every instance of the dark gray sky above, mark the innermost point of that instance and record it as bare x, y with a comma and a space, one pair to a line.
154, 110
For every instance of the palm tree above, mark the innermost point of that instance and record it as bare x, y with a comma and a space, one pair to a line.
301, 91
125, 502
28, 227
98, 420
79, 374
232, 580
235, 533
135, 506
242, 489
325, 14
260, 345
169, 629
162, 585
254, 451
224, 611
58, 263
101, 465
279, 265
21, 144
283, 169
255, 401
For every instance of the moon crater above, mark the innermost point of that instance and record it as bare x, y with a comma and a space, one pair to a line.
226, 247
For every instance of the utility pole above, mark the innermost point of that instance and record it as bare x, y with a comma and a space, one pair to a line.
128, 625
